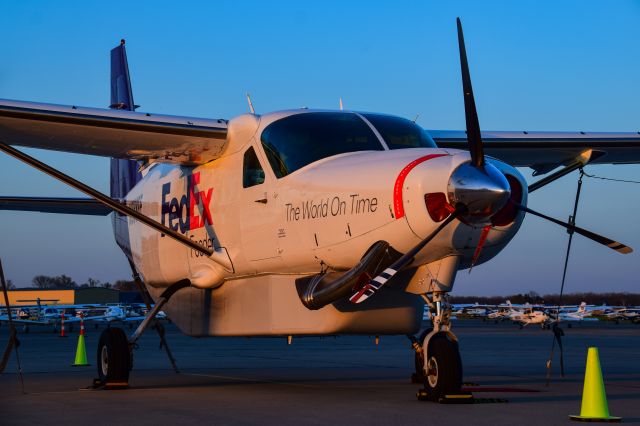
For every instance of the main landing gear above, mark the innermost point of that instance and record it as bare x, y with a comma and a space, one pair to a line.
437, 357
115, 350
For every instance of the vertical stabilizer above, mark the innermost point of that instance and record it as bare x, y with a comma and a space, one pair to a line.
125, 174
121, 93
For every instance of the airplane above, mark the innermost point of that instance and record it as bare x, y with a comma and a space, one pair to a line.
528, 316
44, 315
632, 314
578, 315
116, 313
301, 222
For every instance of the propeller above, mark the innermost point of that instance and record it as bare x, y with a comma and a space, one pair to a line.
614, 245
477, 189
370, 288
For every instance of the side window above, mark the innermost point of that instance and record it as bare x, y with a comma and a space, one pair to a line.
252, 172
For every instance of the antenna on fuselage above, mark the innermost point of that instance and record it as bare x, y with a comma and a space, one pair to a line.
341, 104
253, 111
416, 119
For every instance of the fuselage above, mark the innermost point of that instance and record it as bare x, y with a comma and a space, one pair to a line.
324, 214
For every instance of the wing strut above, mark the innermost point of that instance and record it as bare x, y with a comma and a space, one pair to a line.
216, 256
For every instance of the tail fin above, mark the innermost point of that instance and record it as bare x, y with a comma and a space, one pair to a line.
124, 173
121, 93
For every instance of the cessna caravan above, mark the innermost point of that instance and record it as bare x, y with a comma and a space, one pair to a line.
301, 222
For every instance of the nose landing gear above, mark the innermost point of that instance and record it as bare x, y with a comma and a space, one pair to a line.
438, 363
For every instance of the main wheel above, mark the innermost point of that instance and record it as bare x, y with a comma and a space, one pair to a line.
114, 358
443, 367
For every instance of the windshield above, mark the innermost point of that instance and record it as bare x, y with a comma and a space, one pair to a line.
399, 132
295, 141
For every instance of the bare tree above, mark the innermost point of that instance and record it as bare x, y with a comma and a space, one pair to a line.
59, 282
64, 282
91, 282
124, 285
43, 282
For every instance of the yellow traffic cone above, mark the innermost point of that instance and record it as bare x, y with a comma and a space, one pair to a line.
594, 399
81, 350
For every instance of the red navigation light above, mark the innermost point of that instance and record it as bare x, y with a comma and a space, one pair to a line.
438, 206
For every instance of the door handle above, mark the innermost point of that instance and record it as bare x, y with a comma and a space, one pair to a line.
262, 200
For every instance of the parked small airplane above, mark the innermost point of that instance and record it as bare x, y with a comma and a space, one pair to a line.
291, 222
632, 314
578, 315
530, 316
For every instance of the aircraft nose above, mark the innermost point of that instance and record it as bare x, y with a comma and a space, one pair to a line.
483, 190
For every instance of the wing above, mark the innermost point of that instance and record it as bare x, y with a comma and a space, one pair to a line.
82, 206
112, 133
544, 151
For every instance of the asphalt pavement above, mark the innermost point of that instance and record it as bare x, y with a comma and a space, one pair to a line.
330, 380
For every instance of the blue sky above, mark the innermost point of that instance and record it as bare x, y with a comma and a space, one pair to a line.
535, 65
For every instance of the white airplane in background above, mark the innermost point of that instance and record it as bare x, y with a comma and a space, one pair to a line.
45, 315
578, 315
524, 315
301, 222
530, 316
632, 314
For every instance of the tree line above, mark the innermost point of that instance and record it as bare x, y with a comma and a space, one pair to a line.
63, 282
610, 298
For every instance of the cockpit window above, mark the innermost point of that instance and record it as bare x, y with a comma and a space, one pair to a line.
295, 141
399, 132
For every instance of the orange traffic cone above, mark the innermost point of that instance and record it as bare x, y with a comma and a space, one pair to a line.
62, 325
594, 399
81, 350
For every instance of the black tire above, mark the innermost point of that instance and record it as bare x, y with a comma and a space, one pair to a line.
114, 357
418, 377
445, 367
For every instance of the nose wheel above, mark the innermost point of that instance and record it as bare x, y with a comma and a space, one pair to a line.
443, 368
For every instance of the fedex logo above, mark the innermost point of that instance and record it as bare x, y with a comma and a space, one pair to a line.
191, 211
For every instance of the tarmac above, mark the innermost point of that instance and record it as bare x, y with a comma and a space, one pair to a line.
330, 380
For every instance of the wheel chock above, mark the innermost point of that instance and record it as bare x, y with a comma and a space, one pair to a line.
460, 398
100, 385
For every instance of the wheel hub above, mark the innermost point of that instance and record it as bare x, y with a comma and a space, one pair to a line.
432, 372
104, 360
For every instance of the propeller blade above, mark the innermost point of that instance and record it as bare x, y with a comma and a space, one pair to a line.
474, 139
376, 283
614, 245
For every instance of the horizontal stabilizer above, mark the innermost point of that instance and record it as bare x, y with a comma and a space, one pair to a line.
82, 206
